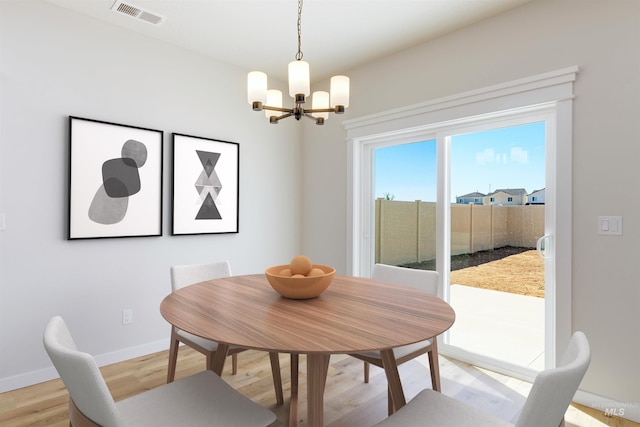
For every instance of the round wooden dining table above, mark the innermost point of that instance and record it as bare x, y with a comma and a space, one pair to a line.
353, 315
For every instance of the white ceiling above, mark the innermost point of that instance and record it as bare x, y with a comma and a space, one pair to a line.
262, 34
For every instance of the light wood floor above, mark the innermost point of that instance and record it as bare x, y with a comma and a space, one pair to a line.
348, 400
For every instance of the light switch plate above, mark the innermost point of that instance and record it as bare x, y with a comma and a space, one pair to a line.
610, 225
127, 316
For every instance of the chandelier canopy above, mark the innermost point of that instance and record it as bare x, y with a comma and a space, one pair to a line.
322, 103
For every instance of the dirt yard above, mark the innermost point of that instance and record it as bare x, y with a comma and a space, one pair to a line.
508, 269
522, 273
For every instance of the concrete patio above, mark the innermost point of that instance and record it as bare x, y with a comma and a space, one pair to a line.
501, 325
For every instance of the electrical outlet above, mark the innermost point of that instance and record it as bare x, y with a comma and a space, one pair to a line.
127, 316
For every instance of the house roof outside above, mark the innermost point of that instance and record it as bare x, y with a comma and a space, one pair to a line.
471, 195
510, 191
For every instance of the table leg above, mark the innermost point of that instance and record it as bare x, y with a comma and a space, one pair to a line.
293, 407
277, 378
317, 368
218, 360
434, 365
393, 378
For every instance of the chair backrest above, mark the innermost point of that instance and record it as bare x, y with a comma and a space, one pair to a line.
553, 389
80, 375
425, 280
183, 275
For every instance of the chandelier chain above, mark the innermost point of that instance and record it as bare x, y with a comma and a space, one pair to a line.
299, 54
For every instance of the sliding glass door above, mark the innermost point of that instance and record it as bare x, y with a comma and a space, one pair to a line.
496, 277
476, 202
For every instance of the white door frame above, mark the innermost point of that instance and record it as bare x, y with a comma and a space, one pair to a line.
547, 93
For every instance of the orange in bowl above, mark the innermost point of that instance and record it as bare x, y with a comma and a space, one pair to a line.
300, 265
300, 287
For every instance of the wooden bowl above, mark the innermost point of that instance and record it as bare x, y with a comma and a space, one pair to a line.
299, 287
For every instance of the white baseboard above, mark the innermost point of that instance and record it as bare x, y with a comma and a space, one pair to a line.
626, 410
47, 374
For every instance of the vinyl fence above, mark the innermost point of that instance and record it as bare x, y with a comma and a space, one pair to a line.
406, 231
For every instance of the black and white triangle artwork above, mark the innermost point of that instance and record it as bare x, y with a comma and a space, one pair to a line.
208, 186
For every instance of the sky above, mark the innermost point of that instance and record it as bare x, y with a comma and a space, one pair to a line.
512, 157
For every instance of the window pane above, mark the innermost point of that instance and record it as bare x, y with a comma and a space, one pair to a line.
496, 277
405, 191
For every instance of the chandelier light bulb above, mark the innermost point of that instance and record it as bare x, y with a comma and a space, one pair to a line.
339, 91
257, 87
274, 99
299, 78
320, 100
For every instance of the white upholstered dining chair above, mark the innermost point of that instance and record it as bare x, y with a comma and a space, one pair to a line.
425, 280
184, 275
203, 399
550, 396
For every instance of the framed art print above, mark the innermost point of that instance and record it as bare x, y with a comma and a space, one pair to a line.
115, 180
205, 185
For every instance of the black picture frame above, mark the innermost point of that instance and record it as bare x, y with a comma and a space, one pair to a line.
206, 185
115, 180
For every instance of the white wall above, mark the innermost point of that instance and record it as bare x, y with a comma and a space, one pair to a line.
602, 38
57, 63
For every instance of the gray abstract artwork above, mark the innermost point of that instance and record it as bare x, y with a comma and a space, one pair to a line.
208, 186
120, 180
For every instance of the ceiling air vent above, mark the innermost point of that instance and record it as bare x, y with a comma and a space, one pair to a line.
135, 12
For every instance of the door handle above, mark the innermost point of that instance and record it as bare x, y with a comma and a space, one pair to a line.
541, 245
